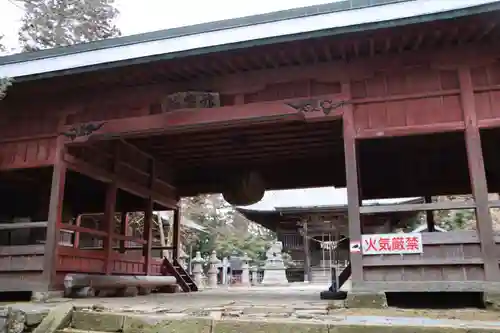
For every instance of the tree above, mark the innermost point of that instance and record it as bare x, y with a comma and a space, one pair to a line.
53, 23
4, 82
228, 232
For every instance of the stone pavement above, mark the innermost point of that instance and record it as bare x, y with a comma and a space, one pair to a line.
292, 304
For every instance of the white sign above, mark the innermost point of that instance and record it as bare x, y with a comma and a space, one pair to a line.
392, 244
355, 247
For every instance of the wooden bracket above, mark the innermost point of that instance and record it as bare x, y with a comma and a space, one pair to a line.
317, 105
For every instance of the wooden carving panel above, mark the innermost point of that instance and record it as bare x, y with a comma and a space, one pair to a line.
415, 97
27, 153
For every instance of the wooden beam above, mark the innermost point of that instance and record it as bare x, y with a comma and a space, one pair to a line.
107, 177
204, 119
416, 207
478, 176
23, 225
352, 182
54, 216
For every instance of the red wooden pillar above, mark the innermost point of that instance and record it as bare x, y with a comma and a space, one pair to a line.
477, 176
148, 222
353, 192
76, 242
109, 222
109, 213
176, 241
54, 216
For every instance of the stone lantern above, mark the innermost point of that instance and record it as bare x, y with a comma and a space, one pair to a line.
183, 259
253, 274
213, 270
197, 263
245, 269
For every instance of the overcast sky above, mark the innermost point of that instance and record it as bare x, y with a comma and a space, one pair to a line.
138, 16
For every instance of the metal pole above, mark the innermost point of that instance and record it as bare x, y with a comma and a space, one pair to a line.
323, 252
337, 238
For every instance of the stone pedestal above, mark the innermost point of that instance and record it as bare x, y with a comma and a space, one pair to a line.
274, 268
225, 266
183, 259
253, 275
198, 269
245, 270
212, 270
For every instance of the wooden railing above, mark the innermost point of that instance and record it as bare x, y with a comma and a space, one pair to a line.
22, 257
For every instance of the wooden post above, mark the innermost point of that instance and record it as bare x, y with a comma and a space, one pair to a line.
307, 255
54, 216
76, 241
477, 176
109, 213
148, 221
109, 222
353, 191
123, 230
429, 214
176, 237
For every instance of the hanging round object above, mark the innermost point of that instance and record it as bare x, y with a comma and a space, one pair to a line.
245, 189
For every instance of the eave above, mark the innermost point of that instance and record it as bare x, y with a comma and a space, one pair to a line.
297, 24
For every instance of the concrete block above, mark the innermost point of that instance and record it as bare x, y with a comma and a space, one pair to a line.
143, 324
58, 318
491, 301
97, 321
234, 326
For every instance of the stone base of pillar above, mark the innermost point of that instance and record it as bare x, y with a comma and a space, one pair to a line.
491, 301
366, 300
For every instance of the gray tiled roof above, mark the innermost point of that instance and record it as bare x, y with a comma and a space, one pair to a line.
338, 17
313, 197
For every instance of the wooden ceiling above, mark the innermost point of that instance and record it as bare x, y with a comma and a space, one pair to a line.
252, 144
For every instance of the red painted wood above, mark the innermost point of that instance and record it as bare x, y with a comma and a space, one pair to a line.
417, 100
27, 153
93, 261
204, 119
123, 183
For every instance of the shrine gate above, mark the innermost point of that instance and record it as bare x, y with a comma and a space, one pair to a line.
388, 98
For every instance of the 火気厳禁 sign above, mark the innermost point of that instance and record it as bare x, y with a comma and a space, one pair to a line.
392, 244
